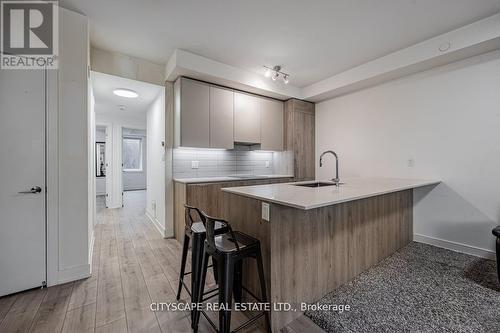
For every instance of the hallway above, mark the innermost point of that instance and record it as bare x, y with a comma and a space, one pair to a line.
132, 267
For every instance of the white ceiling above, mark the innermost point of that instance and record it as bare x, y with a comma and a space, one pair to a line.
312, 39
107, 103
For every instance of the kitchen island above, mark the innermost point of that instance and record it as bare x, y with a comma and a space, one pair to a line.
205, 193
318, 238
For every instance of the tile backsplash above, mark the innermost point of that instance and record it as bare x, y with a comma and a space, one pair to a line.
219, 163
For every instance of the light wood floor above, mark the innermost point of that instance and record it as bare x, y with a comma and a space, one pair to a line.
132, 267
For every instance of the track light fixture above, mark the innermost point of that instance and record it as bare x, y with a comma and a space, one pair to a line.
286, 78
268, 72
275, 73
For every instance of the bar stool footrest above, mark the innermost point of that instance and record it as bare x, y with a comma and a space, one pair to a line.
204, 294
216, 290
187, 273
242, 326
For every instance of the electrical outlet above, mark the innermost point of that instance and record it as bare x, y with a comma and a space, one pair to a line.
265, 211
268, 164
411, 162
195, 164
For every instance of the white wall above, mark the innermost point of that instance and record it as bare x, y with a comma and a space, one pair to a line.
122, 119
100, 182
122, 65
136, 180
100, 134
132, 180
446, 120
91, 165
100, 186
114, 123
69, 217
155, 193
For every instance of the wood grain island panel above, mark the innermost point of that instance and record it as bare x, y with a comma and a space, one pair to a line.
207, 196
308, 253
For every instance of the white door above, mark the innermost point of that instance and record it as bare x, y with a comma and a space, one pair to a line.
22, 179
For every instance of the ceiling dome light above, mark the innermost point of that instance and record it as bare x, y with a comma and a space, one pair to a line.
286, 78
128, 93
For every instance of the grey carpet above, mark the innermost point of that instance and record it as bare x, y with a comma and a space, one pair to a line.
420, 288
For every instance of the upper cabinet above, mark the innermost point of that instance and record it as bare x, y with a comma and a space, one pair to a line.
221, 118
192, 114
246, 118
209, 116
271, 124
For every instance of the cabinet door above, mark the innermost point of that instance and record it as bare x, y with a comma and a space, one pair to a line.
271, 125
246, 118
194, 114
303, 142
221, 118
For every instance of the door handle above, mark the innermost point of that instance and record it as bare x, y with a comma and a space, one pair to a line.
36, 189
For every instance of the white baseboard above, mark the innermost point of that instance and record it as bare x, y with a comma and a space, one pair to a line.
457, 247
74, 273
156, 223
91, 249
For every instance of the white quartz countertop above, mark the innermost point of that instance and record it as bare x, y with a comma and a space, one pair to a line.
228, 178
288, 194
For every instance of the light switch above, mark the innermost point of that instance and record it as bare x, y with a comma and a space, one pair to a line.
267, 164
265, 211
195, 164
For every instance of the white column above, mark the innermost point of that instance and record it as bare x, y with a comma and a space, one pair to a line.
114, 186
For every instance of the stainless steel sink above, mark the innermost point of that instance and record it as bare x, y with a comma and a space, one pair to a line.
318, 184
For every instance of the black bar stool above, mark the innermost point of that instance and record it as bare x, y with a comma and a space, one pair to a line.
195, 231
229, 250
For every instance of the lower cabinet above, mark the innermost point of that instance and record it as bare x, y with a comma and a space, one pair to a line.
207, 197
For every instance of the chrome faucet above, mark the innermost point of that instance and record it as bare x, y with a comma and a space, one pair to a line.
336, 180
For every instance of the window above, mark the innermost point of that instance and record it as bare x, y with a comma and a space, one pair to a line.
132, 154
